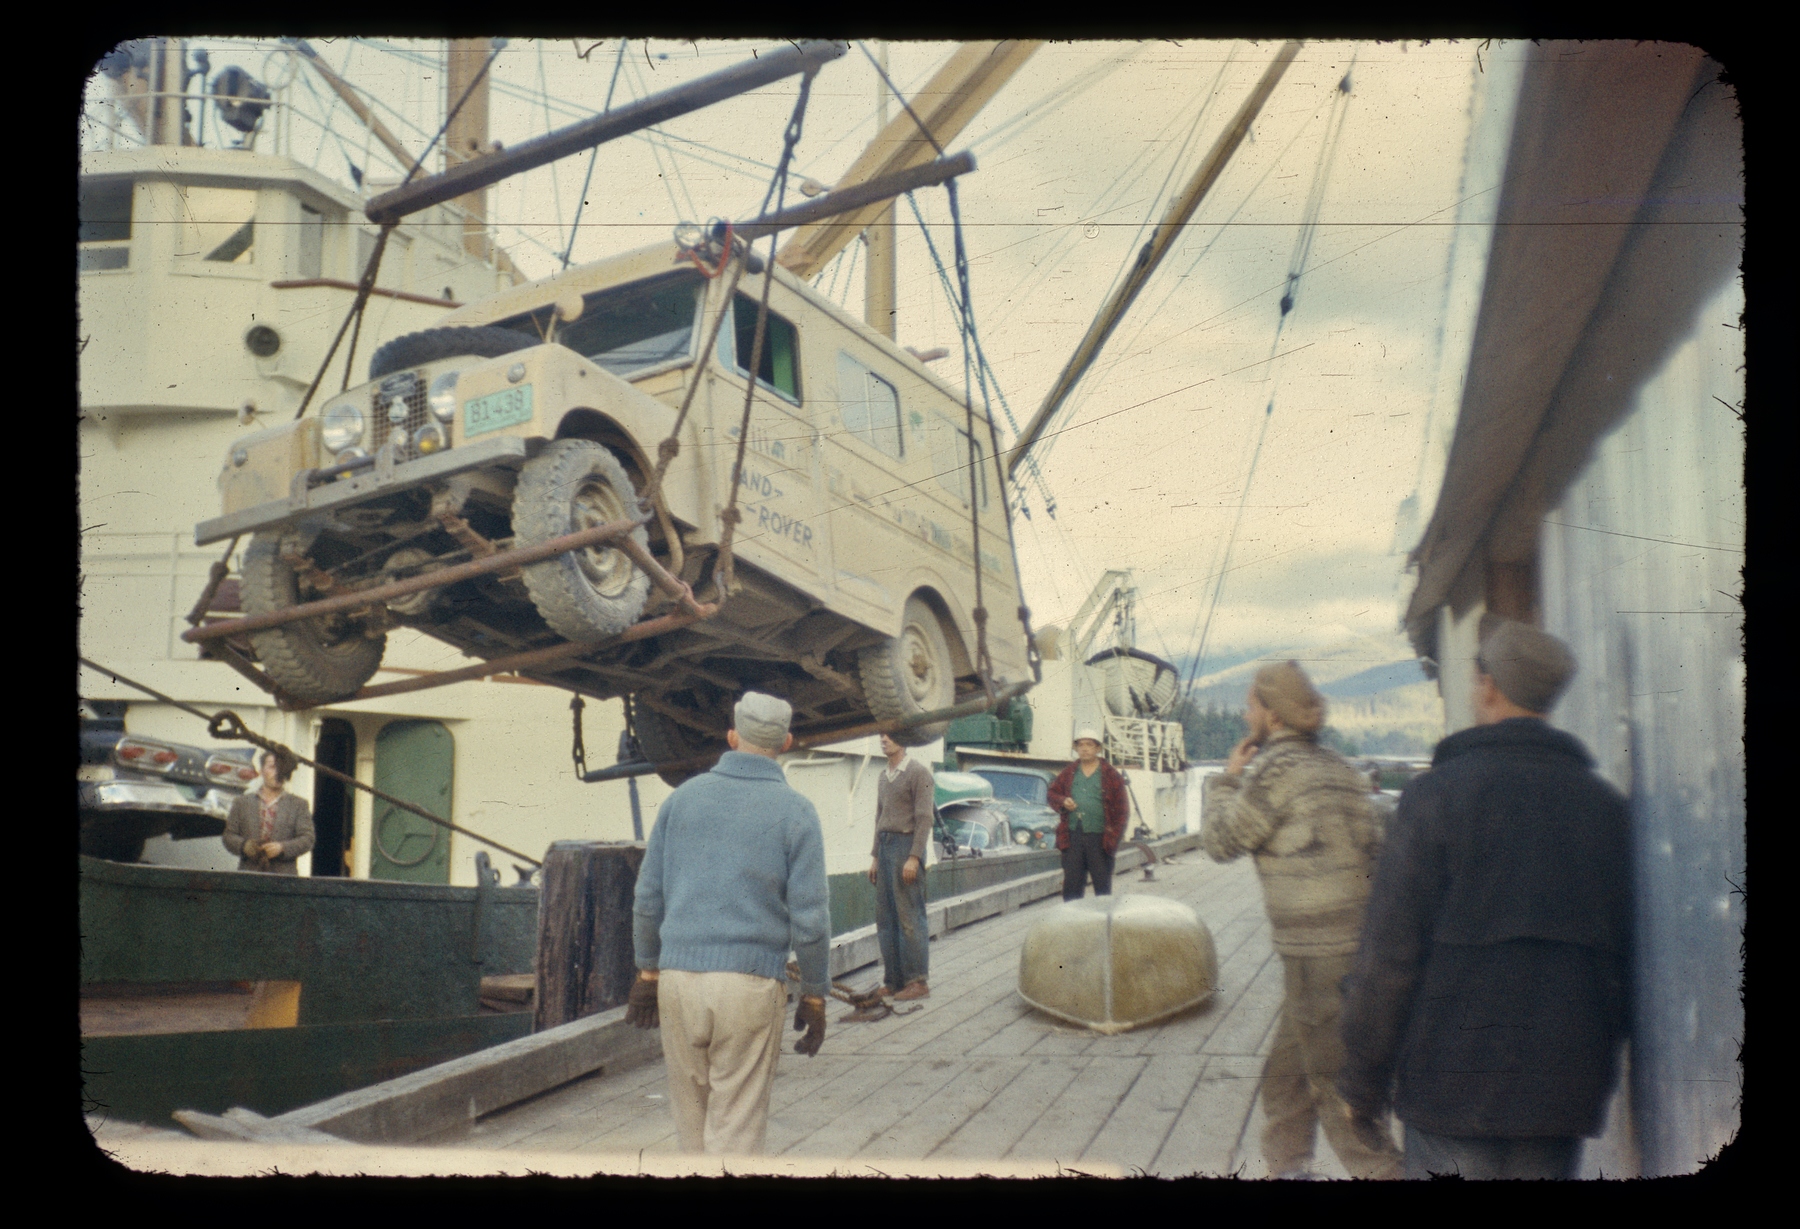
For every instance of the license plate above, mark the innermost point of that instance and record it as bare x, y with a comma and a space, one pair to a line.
505, 408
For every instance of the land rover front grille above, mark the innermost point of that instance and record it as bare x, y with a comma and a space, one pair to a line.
408, 388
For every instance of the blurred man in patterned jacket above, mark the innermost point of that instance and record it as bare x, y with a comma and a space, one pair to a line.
1304, 814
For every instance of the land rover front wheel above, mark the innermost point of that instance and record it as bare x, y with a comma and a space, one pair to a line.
315, 661
597, 591
910, 674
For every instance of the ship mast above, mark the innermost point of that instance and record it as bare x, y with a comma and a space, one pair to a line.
467, 138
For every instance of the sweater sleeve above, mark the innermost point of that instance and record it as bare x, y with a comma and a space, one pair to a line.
1236, 820
1378, 1000
647, 904
809, 901
1118, 808
924, 793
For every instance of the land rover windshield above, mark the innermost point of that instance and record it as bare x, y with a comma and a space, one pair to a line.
632, 330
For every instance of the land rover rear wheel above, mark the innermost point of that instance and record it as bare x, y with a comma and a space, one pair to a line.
315, 661
586, 594
910, 674
663, 740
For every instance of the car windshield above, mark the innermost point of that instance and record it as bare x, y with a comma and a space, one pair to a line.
628, 330
1017, 786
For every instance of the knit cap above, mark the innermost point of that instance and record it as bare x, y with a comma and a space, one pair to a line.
1285, 691
762, 720
1530, 667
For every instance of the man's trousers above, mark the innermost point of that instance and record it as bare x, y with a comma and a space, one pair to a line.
1085, 858
1549, 1157
721, 1035
900, 925
1299, 1083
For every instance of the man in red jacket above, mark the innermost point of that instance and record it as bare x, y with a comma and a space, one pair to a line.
1090, 794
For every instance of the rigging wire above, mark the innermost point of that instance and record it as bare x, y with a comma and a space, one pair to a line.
659, 148
1123, 183
985, 366
1296, 267
555, 185
593, 156
1128, 351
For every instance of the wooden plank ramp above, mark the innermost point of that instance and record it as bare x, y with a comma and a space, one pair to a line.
978, 1076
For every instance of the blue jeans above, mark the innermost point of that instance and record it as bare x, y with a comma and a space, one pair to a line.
900, 922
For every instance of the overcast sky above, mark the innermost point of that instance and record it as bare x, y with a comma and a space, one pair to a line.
1078, 156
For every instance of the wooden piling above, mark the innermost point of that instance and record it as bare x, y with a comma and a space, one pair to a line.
585, 962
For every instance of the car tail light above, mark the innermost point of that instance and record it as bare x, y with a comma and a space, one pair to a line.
139, 753
229, 770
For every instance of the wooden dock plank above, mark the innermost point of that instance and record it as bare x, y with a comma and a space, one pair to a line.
994, 1129
1133, 1134
923, 1130
1070, 1123
1206, 1136
864, 1120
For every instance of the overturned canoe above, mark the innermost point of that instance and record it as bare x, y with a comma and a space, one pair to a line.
1115, 963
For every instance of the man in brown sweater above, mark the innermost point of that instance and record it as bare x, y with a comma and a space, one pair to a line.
1305, 815
903, 813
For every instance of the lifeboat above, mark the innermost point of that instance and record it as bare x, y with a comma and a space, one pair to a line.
1136, 684
1115, 963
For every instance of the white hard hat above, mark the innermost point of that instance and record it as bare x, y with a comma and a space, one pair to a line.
1091, 735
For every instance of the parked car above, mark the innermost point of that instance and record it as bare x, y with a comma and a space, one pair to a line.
129, 789
539, 411
1021, 793
967, 821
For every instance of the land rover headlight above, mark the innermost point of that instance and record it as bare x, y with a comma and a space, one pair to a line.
442, 397
341, 425
429, 439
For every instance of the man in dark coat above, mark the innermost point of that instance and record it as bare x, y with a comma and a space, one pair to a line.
1491, 993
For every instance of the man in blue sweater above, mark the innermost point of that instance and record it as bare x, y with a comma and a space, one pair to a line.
733, 880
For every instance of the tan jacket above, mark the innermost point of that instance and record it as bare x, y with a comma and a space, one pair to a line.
293, 829
1305, 815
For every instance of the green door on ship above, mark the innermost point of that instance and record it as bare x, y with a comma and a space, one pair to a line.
414, 761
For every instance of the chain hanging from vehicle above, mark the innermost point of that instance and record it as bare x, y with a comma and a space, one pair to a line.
984, 665
777, 190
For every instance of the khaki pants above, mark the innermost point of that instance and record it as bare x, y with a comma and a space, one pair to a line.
721, 1035
1299, 1084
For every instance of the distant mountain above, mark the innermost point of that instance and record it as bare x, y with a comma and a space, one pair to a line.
1380, 699
1377, 678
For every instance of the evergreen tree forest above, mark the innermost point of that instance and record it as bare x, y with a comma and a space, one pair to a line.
1211, 733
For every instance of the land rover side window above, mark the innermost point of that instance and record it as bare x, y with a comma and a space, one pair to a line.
629, 330
218, 225
870, 407
104, 238
950, 457
780, 366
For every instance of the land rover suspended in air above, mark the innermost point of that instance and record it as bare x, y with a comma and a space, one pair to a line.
539, 412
